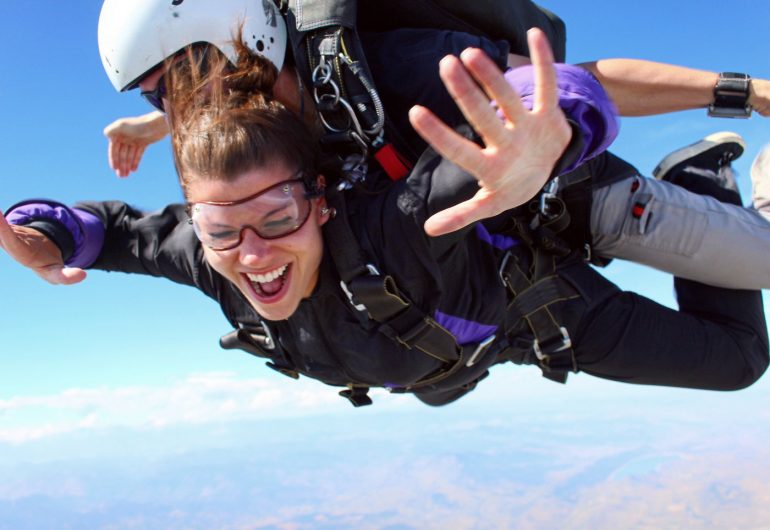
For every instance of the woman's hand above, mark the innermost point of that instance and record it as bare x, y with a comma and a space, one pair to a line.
520, 148
35, 251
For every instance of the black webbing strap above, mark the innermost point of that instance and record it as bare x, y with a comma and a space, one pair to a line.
258, 342
241, 339
534, 298
387, 305
358, 395
345, 250
544, 231
379, 295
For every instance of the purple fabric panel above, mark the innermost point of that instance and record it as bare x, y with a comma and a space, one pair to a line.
496, 240
87, 230
465, 331
583, 100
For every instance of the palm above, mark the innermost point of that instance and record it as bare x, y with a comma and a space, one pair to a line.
520, 150
33, 250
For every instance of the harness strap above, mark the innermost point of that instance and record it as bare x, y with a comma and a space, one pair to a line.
576, 191
259, 343
240, 339
358, 395
380, 296
533, 299
386, 304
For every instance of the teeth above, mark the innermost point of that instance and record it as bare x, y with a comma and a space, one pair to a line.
267, 277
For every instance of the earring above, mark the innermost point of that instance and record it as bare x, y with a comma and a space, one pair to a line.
325, 210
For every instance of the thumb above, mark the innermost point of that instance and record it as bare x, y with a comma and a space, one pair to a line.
58, 275
456, 217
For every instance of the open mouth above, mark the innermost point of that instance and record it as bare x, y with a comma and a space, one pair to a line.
270, 285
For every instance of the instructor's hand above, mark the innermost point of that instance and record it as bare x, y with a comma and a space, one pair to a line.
129, 137
520, 150
35, 251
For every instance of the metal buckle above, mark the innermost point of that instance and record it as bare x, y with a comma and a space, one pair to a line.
354, 170
358, 307
549, 192
587, 254
502, 267
268, 335
481, 348
566, 342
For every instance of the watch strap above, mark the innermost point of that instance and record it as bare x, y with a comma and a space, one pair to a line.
731, 96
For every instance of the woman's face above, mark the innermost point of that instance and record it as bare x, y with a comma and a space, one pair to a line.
273, 274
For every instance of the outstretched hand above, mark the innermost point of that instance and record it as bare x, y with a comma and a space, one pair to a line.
35, 251
520, 149
129, 137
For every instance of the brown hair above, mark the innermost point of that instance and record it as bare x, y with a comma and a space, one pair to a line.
224, 121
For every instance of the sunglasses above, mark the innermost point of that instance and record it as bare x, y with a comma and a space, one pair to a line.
155, 96
272, 213
199, 55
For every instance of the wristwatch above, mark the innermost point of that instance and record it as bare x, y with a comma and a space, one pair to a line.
731, 96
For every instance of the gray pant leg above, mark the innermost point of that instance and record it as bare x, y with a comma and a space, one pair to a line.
688, 235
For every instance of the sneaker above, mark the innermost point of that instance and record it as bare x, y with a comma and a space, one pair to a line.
710, 157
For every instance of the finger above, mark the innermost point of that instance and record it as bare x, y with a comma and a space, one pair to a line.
546, 96
492, 80
137, 158
472, 101
129, 161
123, 158
112, 155
448, 143
458, 216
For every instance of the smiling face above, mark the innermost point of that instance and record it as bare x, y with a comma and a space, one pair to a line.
273, 274
244, 161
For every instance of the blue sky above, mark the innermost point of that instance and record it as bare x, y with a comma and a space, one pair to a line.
116, 402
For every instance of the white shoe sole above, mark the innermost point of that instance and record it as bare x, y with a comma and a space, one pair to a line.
701, 146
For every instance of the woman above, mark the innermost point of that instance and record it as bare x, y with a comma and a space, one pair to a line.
274, 250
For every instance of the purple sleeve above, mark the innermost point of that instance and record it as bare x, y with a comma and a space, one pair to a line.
86, 229
583, 100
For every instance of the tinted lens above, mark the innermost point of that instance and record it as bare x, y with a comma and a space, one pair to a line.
155, 97
275, 212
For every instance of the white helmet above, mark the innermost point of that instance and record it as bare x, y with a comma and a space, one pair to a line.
137, 35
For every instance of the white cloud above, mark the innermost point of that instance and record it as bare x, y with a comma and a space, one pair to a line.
198, 399
221, 397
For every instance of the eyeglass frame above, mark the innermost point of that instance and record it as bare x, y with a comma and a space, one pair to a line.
311, 192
